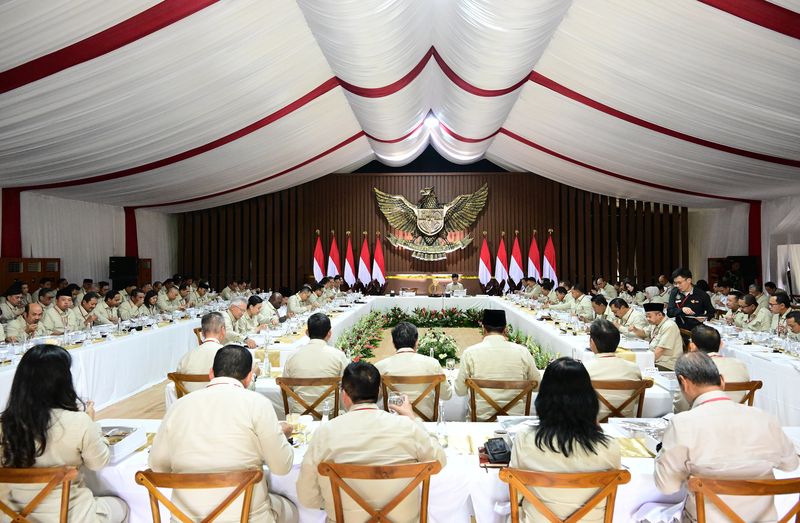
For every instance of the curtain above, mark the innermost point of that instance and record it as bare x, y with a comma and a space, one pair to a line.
780, 225
716, 233
158, 240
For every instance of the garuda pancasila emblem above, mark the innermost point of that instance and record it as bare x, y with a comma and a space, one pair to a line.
429, 221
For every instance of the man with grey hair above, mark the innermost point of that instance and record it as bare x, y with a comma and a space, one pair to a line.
720, 438
408, 362
236, 309
200, 360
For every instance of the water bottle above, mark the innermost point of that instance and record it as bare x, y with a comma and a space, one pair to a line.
441, 426
326, 410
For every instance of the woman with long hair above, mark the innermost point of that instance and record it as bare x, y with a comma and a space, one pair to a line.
44, 425
150, 300
568, 439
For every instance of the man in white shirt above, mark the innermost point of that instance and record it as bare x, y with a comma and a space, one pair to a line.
603, 340
225, 427
366, 435
626, 317
722, 439
496, 358
201, 359
408, 362
316, 359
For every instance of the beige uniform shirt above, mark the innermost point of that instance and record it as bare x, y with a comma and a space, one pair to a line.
606, 366
763, 301
668, 336
583, 307
366, 435
496, 358
298, 306
128, 310
228, 294
268, 314
450, 287
166, 305
72, 440
407, 362
232, 332
77, 318
779, 320
8, 312
525, 454
247, 324
221, 428
632, 318
2, 333
198, 300
609, 291
199, 361
16, 330
759, 321
565, 305
738, 317
54, 321
316, 359
721, 438
105, 314
731, 370
792, 336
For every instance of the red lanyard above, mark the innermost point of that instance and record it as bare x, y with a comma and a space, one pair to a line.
715, 399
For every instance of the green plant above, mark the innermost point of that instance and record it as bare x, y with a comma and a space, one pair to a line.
440, 344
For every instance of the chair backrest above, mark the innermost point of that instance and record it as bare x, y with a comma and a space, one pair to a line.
606, 482
51, 477
287, 389
197, 332
476, 388
433, 381
179, 379
420, 473
637, 388
740, 386
712, 488
242, 482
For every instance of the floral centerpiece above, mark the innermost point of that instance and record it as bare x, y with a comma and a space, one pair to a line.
439, 344
361, 339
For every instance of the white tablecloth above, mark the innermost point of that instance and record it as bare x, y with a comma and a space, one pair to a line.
113, 370
460, 489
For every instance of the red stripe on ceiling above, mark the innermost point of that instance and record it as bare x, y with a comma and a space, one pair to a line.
466, 86
653, 185
396, 140
273, 176
759, 12
544, 81
379, 92
149, 21
297, 104
465, 139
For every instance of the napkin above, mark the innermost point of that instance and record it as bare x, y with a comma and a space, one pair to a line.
150, 437
634, 448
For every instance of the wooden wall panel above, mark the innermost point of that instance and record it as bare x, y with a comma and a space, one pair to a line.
270, 239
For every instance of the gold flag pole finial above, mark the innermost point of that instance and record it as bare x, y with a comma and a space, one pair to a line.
550, 231
332, 231
534, 232
364, 233
516, 232
347, 233
317, 231
377, 233
502, 233
484, 234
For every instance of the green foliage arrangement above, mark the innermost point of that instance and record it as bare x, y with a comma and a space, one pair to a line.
441, 345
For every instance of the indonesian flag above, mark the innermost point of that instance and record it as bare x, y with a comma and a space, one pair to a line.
549, 269
501, 264
319, 260
515, 268
349, 264
534, 260
484, 274
334, 265
363, 264
377, 264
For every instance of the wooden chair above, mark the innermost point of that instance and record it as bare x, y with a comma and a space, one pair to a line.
197, 332
740, 386
242, 482
419, 472
476, 387
287, 389
606, 482
712, 488
179, 379
434, 382
51, 477
637, 388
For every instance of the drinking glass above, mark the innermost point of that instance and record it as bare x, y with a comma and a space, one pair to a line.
395, 399
450, 364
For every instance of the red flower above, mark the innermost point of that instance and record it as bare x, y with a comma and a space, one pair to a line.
357, 359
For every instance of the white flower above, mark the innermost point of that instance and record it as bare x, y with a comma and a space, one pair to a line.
442, 356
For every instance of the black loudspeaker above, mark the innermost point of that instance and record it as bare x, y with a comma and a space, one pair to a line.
123, 270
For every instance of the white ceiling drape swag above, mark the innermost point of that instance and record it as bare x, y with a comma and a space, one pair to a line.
678, 102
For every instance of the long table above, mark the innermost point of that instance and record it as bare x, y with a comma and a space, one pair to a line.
119, 367
461, 489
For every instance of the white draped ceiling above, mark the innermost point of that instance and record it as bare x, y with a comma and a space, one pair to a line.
187, 104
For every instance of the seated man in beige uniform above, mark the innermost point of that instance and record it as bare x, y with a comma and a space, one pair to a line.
57, 319
233, 333
27, 326
83, 316
722, 439
170, 301
793, 325
605, 288
88, 286
603, 340
707, 340
408, 362
454, 284
184, 293
45, 284
300, 303
758, 293
626, 317
754, 318
11, 308
560, 300
133, 306
663, 334
231, 291
250, 323
201, 296
780, 305
496, 358
201, 359
366, 435
316, 359
581, 303
221, 428
107, 311
734, 316
601, 309
45, 299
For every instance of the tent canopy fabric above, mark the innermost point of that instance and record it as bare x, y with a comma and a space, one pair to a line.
188, 104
